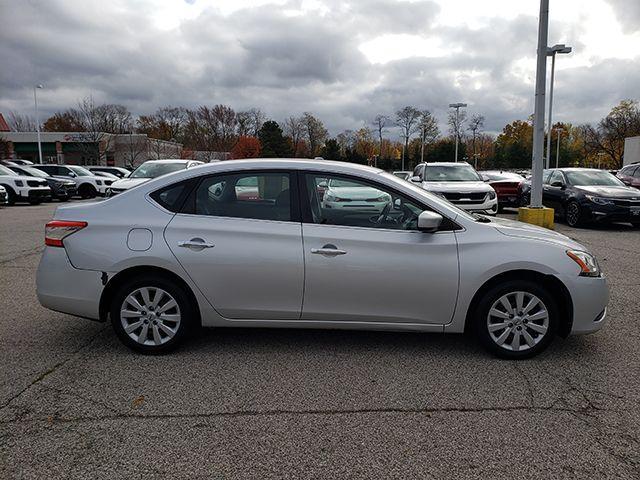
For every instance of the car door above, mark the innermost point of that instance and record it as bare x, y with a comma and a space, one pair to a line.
553, 194
370, 263
243, 252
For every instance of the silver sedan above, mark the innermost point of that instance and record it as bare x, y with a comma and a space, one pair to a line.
196, 248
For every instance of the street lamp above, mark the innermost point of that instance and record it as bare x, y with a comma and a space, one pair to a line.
457, 106
600, 155
551, 52
35, 100
558, 131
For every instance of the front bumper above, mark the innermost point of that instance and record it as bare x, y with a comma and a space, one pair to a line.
590, 297
613, 213
33, 194
64, 192
489, 207
63, 288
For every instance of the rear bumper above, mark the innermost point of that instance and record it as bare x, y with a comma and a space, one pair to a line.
63, 288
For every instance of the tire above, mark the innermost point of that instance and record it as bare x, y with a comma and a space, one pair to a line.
35, 202
87, 191
518, 339
523, 201
635, 224
156, 322
11, 195
573, 214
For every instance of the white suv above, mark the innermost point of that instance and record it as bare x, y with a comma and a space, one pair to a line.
459, 183
20, 188
89, 185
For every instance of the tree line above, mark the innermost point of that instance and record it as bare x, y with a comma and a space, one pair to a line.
407, 137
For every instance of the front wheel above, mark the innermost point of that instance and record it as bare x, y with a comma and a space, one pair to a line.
516, 319
87, 191
151, 315
573, 214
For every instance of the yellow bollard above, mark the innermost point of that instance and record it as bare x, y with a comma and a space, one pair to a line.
542, 216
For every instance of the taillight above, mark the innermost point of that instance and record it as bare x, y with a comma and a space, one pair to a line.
57, 230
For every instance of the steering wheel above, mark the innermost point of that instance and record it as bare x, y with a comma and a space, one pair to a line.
384, 213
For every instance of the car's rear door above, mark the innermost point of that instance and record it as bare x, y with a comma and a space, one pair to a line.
244, 253
386, 272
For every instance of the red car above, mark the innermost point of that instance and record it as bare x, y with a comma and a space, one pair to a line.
630, 175
506, 185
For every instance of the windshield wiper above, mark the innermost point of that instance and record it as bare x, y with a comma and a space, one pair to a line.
481, 218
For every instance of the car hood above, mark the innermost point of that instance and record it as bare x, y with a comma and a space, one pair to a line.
458, 187
612, 192
513, 228
354, 193
127, 183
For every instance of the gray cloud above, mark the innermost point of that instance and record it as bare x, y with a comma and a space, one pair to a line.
628, 13
285, 64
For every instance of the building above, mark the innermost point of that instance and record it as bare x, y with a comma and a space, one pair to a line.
88, 148
631, 150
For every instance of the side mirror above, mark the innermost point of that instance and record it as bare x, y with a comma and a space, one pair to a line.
397, 204
72, 175
558, 184
416, 179
429, 221
323, 184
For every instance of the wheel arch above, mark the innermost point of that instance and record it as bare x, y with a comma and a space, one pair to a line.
117, 280
552, 284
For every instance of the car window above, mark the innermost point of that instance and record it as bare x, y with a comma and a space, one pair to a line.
261, 196
546, 175
6, 171
417, 172
351, 202
172, 197
556, 176
153, 169
593, 177
451, 173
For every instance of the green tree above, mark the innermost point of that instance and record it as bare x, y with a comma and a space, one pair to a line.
274, 144
514, 146
444, 150
331, 150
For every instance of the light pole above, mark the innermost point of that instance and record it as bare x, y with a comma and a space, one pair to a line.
551, 52
457, 106
600, 155
558, 131
35, 100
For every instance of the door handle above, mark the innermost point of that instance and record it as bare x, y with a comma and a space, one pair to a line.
328, 250
195, 243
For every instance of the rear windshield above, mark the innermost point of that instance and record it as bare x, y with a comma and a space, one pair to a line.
153, 170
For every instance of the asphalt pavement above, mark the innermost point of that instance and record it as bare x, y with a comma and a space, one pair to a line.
257, 403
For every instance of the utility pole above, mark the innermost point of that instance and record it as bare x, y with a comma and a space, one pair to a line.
538, 115
558, 131
457, 106
35, 100
551, 52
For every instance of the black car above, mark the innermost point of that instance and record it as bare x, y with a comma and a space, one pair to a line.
61, 189
583, 195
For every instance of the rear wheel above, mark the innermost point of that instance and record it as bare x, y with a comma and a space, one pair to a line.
87, 191
516, 319
11, 195
151, 315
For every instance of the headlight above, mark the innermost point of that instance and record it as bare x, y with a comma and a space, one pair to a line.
19, 183
492, 195
599, 200
588, 264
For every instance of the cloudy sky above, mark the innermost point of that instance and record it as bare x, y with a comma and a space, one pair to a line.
344, 61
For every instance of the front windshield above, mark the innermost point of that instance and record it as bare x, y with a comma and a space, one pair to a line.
81, 172
7, 171
451, 173
153, 170
344, 183
34, 172
592, 178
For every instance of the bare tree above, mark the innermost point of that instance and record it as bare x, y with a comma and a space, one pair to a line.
407, 119
380, 122
476, 124
21, 123
315, 132
294, 128
456, 122
429, 131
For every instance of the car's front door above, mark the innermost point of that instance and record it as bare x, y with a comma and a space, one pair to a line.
242, 245
370, 263
554, 191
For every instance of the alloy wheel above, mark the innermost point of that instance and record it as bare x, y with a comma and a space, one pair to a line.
573, 214
150, 316
518, 321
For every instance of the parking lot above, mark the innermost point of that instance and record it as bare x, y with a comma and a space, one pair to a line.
315, 404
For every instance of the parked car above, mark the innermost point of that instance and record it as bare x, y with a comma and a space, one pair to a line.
344, 197
630, 175
89, 185
505, 184
148, 170
183, 250
61, 188
459, 183
583, 195
119, 172
4, 199
23, 189
405, 175
108, 175
8, 163
20, 161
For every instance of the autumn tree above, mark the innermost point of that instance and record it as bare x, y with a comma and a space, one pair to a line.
273, 143
407, 119
294, 128
249, 122
246, 147
66, 121
167, 123
514, 146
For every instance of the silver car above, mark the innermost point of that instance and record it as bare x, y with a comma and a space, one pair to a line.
196, 248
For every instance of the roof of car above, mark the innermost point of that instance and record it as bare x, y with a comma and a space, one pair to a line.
578, 169
173, 160
449, 164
